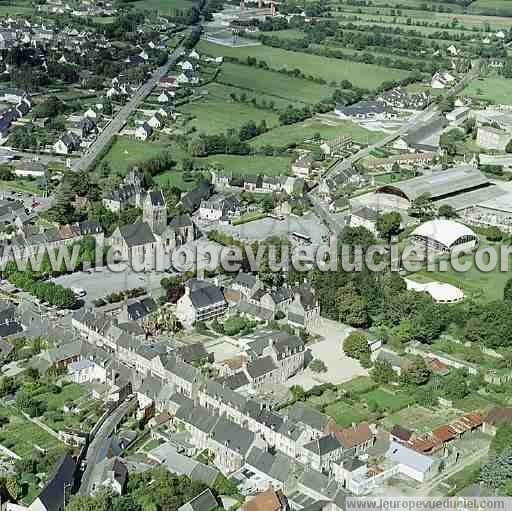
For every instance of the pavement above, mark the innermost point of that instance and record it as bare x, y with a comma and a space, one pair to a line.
340, 368
117, 123
99, 446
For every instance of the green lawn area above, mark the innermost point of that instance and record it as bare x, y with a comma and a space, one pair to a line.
499, 7
221, 91
492, 89
468, 475
420, 419
298, 133
252, 164
345, 414
164, 7
20, 185
474, 403
358, 385
273, 83
286, 34
485, 286
126, 151
69, 393
21, 436
361, 75
175, 178
391, 402
218, 116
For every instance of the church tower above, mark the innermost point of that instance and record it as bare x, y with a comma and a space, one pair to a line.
154, 211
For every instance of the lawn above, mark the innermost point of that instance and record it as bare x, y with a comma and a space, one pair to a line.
500, 7
361, 75
484, 286
286, 34
175, 178
345, 414
298, 133
273, 83
69, 393
253, 164
474, 403
358, 385
491, 89
21, 436
391, 402
126, 151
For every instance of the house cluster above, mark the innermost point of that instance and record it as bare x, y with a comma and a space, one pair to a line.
442, 79
366, 111
157, 121
84, 9
17, 105
400, 99
439, 438
297, 303
29, 241
258, 183
236, 430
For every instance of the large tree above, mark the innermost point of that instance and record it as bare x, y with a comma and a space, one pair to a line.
356, 346
415, 372
383, 372
388, 224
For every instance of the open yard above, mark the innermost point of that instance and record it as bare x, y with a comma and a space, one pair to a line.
389, 401
273, 84
345, 413
361, 75
495, 90
164, 7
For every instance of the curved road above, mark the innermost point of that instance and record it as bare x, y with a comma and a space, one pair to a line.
99, 445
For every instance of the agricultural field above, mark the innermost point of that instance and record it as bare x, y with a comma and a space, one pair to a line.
494, 90
361, 75
213, 116
300, 132
273, 84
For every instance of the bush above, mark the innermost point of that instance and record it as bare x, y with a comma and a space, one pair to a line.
318, 366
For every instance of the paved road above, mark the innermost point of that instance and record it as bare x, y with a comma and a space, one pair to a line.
99, 446
117, 123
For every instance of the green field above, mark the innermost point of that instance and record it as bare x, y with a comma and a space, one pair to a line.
218, 116
286, 34
484, 286
256, 164
126, 151
298, 133
222, 92
495, 7
492, 89
361, 75
272, 83
69, 393
164, 7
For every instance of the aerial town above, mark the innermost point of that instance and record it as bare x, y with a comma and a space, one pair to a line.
154, 129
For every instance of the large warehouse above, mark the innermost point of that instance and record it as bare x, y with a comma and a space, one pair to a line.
460, 187
444, 236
